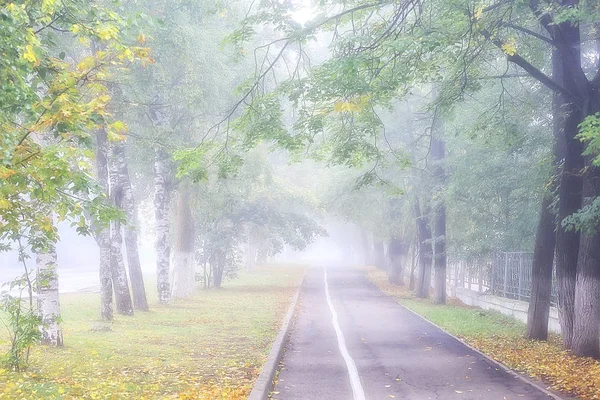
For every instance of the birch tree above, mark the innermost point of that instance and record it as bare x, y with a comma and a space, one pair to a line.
161, 214
120, 280
184, 266
48, 304
128, 204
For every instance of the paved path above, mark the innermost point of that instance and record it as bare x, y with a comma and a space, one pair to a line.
376, 349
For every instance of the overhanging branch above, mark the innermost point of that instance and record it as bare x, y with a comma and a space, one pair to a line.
532, 70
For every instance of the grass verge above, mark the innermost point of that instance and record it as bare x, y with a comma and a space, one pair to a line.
211, 346
502, 338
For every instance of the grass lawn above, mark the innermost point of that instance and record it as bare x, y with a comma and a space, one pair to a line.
502, 338
211, 346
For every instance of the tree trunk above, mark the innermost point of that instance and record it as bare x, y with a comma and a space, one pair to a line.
218, 268
138, 289
541, 281
425, 252
379, 254
413, 267
47, 299
218, 277
251, 248
586, 329
367, 249
569, 194
161, 214
102, 234
184, 273
438, 154
396, 268
262, 250
545, 238
123, 301
440, 255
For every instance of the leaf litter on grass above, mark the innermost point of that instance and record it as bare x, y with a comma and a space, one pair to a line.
502, 338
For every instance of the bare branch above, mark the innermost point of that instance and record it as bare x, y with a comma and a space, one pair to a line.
529, 32
532, 70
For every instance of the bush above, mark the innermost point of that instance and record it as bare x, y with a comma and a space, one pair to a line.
23, 325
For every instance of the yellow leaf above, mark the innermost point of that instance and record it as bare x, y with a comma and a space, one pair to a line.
119, 126
29, 54
107, 32
6, 173
509, 48
48, 6
478, 12
115, 137
344, 106
86, 63
141, 38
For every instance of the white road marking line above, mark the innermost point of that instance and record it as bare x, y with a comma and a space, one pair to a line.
357, 389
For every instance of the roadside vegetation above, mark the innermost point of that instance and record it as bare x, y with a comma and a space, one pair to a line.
225, 134
209, 346
503, 339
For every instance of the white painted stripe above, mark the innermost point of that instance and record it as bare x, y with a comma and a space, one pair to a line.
357, 389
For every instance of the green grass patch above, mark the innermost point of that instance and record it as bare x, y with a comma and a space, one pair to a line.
210, 346
465, 321
502, 338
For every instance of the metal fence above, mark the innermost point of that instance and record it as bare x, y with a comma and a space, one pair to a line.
506, 274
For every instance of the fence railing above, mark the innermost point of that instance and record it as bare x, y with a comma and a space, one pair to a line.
506, 274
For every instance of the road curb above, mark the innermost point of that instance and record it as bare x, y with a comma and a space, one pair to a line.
264, 383
486, 357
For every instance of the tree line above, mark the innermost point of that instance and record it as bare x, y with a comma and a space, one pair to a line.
446, 126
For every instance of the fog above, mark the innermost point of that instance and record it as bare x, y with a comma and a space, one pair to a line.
188, 188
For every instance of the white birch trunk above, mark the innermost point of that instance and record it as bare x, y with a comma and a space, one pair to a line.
47, 300
102, 235
161, 213
136, 277
117, 266
184, 274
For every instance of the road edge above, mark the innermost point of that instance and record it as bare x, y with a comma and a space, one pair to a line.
264, 383
496, 363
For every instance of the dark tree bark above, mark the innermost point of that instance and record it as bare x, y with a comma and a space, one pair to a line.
425, 251
138, 289
567, 242
571, 183
545, 238
586, 330
541, 284
438, 153
397, 251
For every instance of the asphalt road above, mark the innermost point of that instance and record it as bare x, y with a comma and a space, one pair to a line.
379, 351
